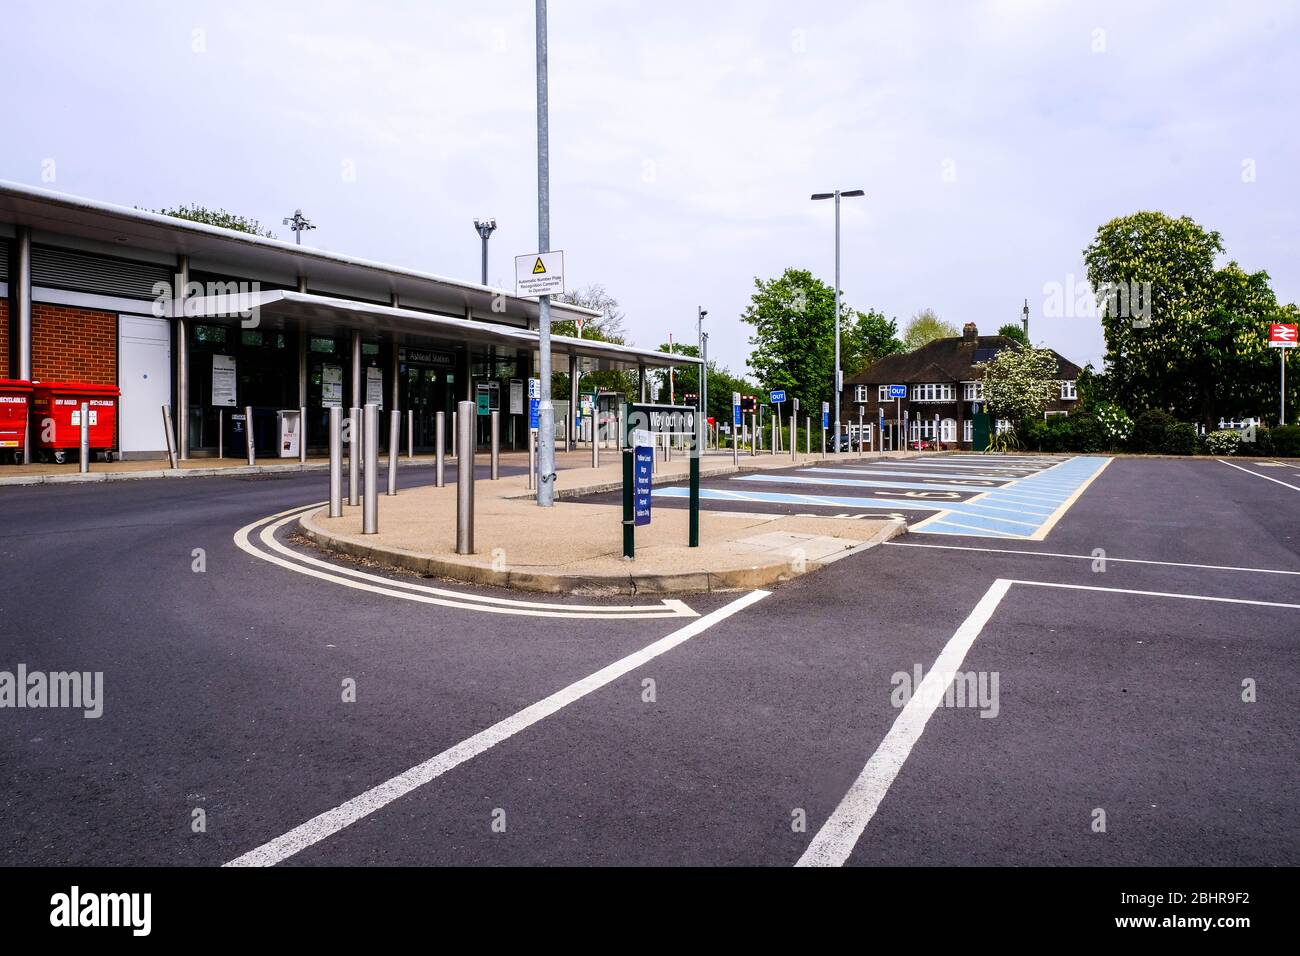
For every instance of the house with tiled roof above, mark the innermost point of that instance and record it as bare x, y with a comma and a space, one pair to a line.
943, 391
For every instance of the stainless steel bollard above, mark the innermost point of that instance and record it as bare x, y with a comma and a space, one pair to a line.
595, 440
221, 433
807, 436
370, 435
495, 420
85, 438
410, 434
861, 433
394, 442
248, 434
336, 462
168, 435
438, 437
754, 434
532, 458
454, 432
354, 456
302, 435
465, 413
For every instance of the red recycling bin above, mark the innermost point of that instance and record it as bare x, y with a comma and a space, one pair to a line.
15, 396
56, 416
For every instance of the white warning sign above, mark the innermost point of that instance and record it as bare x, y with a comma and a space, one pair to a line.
538, 274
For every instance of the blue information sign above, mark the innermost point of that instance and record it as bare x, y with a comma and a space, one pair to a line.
533, 414
898, 391
642, 470
778, 396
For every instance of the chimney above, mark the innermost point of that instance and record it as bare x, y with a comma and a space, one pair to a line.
970, 332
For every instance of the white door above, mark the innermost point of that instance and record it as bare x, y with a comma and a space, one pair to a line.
144, 373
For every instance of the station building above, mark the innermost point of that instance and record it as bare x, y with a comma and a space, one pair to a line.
943, 389
210, 321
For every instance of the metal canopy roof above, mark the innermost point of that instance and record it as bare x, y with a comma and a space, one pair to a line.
278, 308
127, 228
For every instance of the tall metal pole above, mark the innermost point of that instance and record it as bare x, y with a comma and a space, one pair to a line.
835, 447
85, 437
22, 285
545, 408
1282, 417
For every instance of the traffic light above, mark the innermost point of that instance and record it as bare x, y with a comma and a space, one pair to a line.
691, 398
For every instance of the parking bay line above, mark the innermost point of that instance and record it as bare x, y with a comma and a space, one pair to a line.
835, 840
1258, 475
332, 821
1092, 557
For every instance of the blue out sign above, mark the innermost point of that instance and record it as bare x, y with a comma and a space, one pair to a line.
898, 391
778, 396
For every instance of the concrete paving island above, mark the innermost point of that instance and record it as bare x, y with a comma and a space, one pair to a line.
744, 537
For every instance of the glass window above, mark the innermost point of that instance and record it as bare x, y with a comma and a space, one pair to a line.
323, 345
250, 337
968, 430
860, 393
1069, 390
973, 391
210, 335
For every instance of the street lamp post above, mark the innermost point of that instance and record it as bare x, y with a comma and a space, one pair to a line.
838, 376
545, 408
485, 228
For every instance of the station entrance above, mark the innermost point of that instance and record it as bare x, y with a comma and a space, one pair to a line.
428, 386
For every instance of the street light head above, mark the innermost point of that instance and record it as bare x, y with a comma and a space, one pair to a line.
823, 195
854, 192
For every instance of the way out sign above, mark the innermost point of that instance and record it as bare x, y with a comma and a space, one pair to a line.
540, 273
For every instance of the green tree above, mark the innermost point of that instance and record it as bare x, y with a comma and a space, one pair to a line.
1014, 331
218, 217
1019, 382
1181, 335
866, 340
925, 327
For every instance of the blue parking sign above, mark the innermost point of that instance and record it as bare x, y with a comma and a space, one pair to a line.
533, 403
641, 484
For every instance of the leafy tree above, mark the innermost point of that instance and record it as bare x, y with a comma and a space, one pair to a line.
794, 335
1014, 331
925, 327
218, 217
1181, 335
866, 340
1019, 382
612, 317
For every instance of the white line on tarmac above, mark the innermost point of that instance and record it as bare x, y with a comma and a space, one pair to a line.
1092, 557
426, 594
1167, 594
1258, 475
841, 831
332, 821
834, 842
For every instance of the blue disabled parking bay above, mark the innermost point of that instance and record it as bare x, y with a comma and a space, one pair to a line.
975, 503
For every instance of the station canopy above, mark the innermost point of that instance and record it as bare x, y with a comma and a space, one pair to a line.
281, 309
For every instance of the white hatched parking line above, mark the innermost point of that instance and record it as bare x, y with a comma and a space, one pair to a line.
835, 841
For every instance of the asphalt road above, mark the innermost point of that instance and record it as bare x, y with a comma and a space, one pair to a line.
1118, 690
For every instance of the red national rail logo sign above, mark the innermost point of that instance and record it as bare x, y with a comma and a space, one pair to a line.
1281, 336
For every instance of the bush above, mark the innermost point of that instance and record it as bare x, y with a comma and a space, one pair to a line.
1157, 432
1115, 423
1285, 441
1225, 442
1149, 431
1080, 432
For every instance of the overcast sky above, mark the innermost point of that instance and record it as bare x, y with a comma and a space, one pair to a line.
992, 139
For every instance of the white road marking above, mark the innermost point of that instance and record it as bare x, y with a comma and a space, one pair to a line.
1167, 594
840, 833
1258, 475
834, 842
426, 594
332, 821
1091, 557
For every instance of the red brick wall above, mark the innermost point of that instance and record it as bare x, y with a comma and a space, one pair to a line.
70, 344
4, 338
